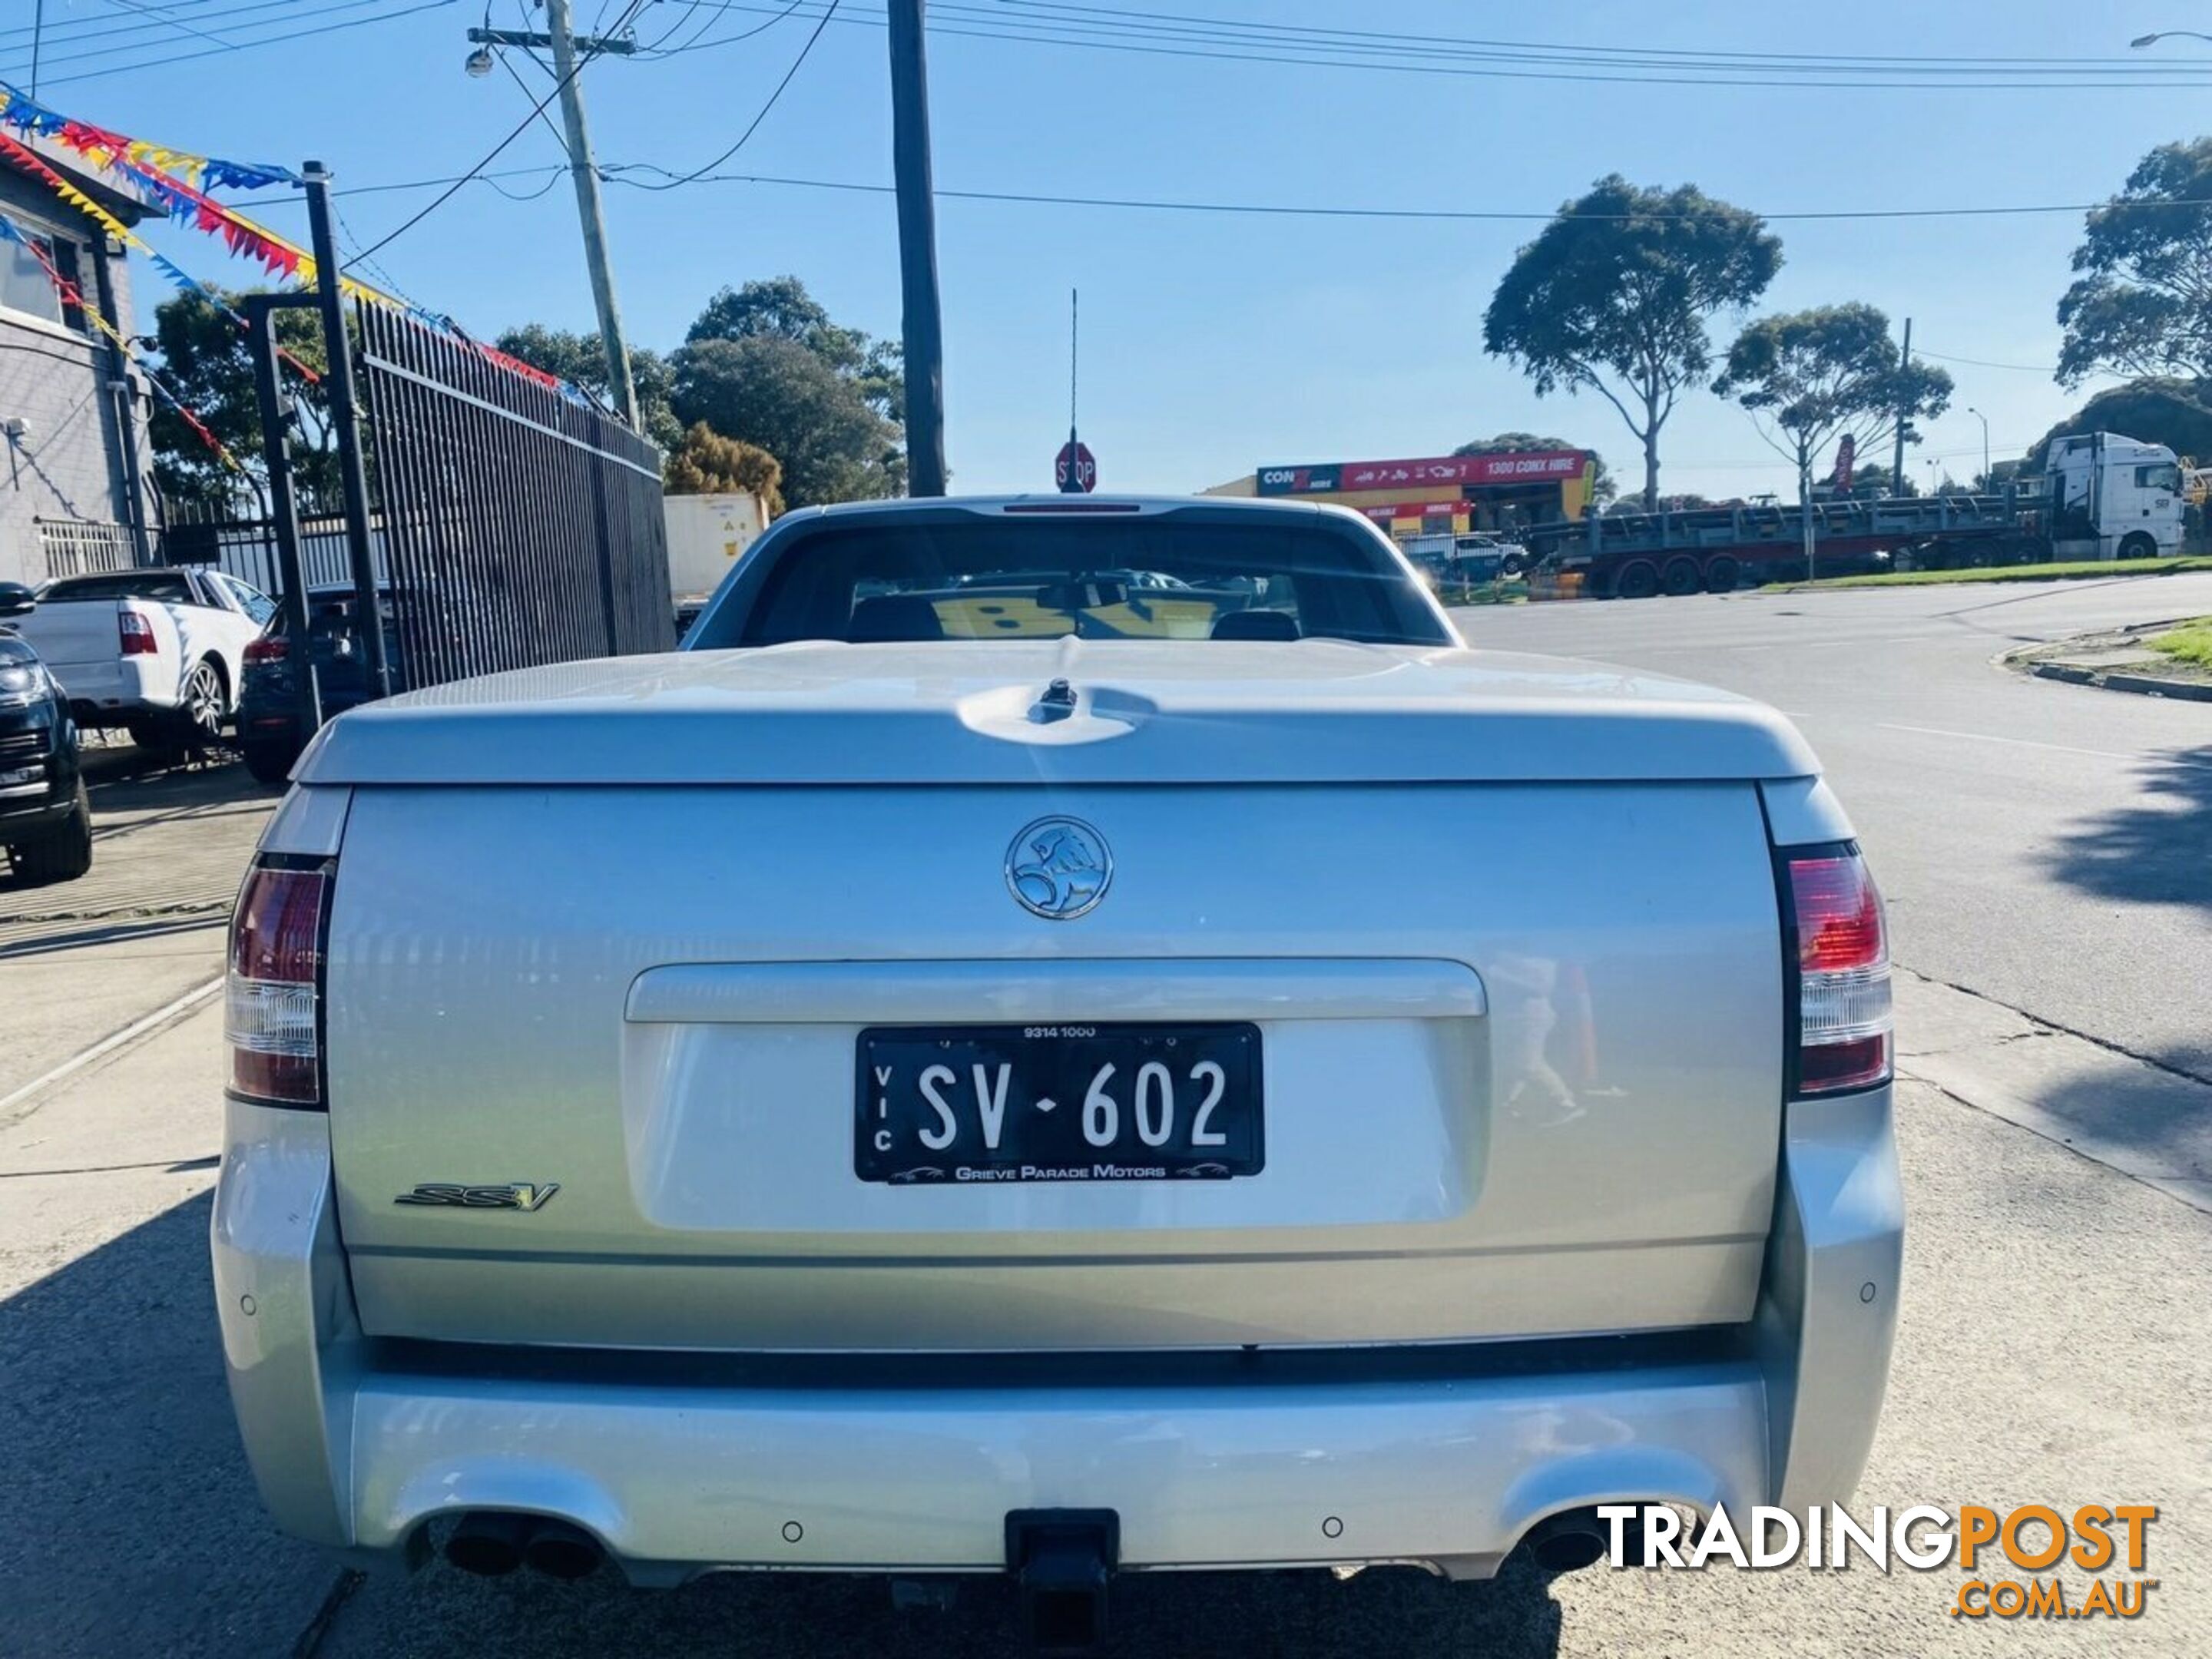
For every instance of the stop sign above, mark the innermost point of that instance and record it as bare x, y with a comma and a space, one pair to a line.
1075, 468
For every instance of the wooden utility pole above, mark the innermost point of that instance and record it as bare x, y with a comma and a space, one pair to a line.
923, 326
586, 176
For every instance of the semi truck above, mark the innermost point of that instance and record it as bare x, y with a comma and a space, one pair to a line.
2101, 496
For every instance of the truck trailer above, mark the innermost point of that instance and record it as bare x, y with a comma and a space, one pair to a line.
2101, 496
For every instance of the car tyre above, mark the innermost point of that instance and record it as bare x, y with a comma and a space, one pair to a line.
1683, 578
205, 708
270, 762
1513, 565
1723, 575
1639, 580
2138, 545
63, 853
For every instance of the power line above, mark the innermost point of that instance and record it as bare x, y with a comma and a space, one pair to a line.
691, 11
526, 195
1212, 41
137, 9
163, 59
617, 172
656, 49
1626, 53
674, 183
92, 24
1063, 23
1978, 362
515, 76
521, 127
1058, 16
135, 32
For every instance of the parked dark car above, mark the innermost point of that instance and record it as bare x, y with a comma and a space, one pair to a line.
45, 820
268, 711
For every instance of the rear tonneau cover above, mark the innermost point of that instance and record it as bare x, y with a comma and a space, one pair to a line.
1315, 711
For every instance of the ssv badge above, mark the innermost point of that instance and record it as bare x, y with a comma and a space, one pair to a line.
507, 1196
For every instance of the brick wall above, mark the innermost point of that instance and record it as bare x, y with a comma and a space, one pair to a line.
67, 463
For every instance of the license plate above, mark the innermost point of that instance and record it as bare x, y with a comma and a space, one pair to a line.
973, 1103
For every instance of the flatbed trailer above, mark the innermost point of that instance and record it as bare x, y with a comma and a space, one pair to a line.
1712, 550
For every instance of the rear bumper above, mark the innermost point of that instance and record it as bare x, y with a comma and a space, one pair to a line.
681, 1464
107, 693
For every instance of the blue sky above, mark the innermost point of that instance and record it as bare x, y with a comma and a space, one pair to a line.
1212, 342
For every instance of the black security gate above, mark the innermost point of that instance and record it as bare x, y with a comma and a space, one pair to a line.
519, 526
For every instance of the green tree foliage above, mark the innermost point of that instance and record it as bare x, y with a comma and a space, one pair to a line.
582, 359
1615, 293
1810, 377
1603, 488
2142, 303
707, 464
203, 358
773, 391
781, 307
2177, 413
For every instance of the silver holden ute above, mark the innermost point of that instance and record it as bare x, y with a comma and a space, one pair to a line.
1061, 1036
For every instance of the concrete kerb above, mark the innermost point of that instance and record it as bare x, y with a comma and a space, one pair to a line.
2064, 661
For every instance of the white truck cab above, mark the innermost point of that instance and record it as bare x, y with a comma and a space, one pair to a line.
2112, 497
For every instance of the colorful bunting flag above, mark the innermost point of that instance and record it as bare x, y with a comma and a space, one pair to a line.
177, 180
74, 296
18, 109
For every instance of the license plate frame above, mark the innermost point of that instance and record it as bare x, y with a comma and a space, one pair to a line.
1044, 1129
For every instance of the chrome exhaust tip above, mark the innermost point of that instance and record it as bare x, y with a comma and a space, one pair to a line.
1568, 1541
487, 1543
561, 1551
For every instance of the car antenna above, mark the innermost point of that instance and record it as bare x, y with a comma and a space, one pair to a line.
1071, 483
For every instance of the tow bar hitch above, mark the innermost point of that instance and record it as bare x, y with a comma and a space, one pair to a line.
1062, 1559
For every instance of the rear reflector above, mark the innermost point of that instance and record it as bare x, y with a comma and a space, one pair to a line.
1842, 1013
135, 633
272, 1014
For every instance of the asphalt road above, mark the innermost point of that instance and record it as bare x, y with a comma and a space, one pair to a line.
2047, 845
2044, 844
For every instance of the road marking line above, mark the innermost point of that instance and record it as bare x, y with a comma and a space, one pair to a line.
2023, 743
108, 1045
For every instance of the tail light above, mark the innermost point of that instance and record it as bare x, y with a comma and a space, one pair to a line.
135, 631
1839, 960
273, 1003
269, 648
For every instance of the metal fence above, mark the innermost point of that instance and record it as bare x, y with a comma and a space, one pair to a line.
84, 547
521, 528
246, 549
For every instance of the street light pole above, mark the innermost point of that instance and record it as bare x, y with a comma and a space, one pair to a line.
1986, 482
1805, 502
586, 176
